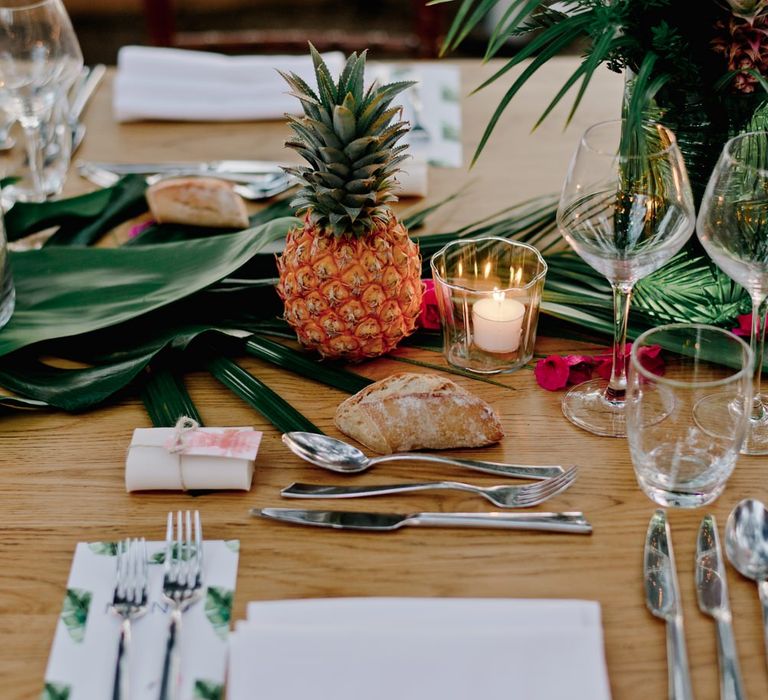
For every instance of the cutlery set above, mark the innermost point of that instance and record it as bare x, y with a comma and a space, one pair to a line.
341, 457
746, 537
252, 179
182, 588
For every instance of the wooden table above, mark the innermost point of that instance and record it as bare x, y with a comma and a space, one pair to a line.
62, 475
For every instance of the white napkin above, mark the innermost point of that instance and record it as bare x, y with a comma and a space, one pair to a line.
180, 85
152, 464
452, 649
82, 661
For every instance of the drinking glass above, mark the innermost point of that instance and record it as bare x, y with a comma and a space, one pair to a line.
626, 208
733, 228
684, 446
39, 59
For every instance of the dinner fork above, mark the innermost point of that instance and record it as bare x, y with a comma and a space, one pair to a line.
129, 602
501, 496
182, 587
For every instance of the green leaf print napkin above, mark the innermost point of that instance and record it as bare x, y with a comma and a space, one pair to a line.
82, 661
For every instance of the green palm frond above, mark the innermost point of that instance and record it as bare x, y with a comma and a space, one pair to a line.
166, 398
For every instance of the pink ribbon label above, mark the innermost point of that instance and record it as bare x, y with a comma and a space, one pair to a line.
237, 443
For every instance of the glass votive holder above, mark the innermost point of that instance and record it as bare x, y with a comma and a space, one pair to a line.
488, 293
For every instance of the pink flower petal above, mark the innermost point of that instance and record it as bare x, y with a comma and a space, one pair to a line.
552, 373
745, 325
581, 371
429, 316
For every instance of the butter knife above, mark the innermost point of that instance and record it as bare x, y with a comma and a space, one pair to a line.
712, 591
211, 167
387, 522
662, 596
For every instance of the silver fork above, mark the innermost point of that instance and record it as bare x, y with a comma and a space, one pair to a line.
501, 496
129, 602
182, 587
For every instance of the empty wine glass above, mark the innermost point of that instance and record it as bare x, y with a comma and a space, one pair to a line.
626, 208
733, 228
39, 59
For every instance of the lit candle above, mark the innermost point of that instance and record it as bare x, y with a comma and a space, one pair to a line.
497, 323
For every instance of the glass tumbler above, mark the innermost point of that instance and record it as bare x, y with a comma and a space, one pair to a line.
683, 445
488, 293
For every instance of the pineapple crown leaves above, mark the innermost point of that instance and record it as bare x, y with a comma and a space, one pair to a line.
348, 135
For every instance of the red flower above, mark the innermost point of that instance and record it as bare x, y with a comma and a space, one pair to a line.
552, 372
745, 325
580, 368
429, 316
556, 371
650, 359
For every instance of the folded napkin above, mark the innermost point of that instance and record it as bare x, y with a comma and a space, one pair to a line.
82, 661
452, 649
189, 457
180, 85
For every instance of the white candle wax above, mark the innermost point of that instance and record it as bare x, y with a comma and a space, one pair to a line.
497, 323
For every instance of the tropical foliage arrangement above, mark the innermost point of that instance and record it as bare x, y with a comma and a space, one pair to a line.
117, 318
700, 68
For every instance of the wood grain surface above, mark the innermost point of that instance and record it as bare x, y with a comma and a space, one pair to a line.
61, 479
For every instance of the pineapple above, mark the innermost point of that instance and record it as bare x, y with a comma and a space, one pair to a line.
349, 275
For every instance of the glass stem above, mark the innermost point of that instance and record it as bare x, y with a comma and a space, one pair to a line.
617, 386
35, 157
757, 343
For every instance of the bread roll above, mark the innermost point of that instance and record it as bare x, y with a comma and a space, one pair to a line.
197, 201
415, 412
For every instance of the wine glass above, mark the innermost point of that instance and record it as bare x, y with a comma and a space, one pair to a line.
39, 59
626, 208
733, 228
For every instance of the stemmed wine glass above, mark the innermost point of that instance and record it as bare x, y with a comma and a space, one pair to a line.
39, 59
733, 228
626, 208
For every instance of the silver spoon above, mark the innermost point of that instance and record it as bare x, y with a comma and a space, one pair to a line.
339, 456
746, 546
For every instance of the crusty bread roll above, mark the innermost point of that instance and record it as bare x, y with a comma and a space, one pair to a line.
198, 201
415, 412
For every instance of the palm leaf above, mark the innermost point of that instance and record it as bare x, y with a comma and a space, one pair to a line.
166, 398
259, 396
69, 291
302, 364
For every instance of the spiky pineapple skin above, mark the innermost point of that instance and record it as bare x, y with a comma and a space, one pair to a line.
348, 297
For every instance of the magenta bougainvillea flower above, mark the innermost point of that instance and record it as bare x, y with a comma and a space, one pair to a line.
552, 372
745, 325
429, 316
558, 371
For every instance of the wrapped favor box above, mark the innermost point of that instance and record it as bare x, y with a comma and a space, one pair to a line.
191, 458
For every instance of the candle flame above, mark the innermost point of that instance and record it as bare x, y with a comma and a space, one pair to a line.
497, 295
461, 268
487, 269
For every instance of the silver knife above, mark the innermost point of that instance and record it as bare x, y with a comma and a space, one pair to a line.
662, 596
387, 522
712, 591
211, 167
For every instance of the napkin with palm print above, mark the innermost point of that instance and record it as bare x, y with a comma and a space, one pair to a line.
82, 661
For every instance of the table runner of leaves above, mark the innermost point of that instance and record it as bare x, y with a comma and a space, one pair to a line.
176, 298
